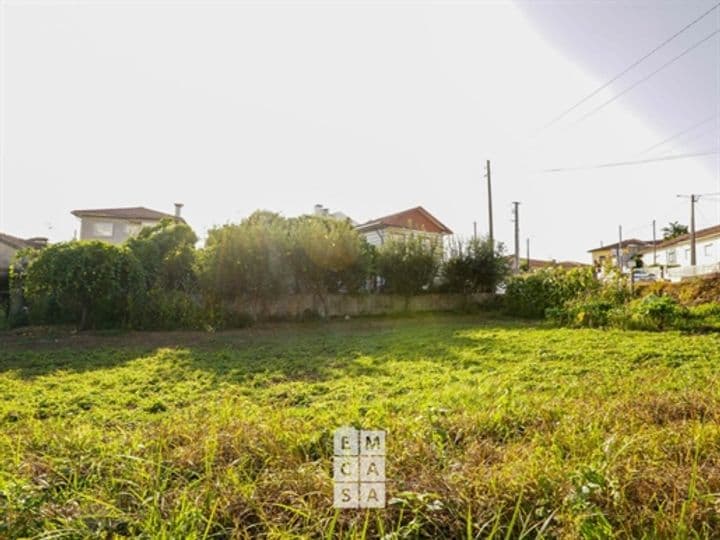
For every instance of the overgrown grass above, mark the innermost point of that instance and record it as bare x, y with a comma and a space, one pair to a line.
495, 429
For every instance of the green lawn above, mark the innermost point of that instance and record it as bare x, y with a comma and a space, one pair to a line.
495, 428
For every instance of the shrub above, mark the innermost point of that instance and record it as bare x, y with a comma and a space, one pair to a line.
474, 267
249, 261
531, 295
4, 319
91, 284
328, 256
167, 301
409, 265
591, 312
166, 252
657, 313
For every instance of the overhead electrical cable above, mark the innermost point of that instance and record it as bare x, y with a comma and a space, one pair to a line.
652, 74
630, 67
634, 162
680, 133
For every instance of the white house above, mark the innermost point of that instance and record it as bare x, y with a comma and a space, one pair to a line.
672, 257
115, 225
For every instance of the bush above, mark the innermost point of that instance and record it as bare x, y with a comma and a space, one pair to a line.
531, 295
409, 265
474, 267
656, 313
168, 299
249, 261
328, 256
166, 253
590, 312
90, 284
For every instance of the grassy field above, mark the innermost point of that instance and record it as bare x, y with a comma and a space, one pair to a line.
495, 429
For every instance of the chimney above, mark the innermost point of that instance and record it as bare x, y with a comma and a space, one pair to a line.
178, 209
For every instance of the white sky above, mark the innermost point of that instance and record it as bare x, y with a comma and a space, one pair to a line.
367, 108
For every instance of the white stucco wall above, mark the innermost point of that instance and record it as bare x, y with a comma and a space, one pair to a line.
707, 251
122, 229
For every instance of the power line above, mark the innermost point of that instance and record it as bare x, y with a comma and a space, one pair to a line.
635, 162
680, 133
652, 74
627, 69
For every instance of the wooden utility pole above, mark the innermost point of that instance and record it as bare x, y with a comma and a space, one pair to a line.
619, 248
693, 199
475, 230
654, 245
491, 236
516, 220
527, 252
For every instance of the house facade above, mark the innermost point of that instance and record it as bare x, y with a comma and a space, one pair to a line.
9, 245
673, 257
116, 225
629, 249
413, 222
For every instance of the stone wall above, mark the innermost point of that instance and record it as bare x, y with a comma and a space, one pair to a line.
340, 305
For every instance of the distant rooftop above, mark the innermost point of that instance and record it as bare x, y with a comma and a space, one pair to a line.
416, 218
136, 212
625, 243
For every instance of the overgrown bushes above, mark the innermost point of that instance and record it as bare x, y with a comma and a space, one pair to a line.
408, 266
533, 294
575, 298
90, 284
474, 267
159, 280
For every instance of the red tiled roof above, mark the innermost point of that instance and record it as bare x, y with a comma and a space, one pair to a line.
417, 219
137, 212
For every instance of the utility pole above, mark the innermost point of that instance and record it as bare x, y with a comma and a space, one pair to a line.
619, 248
491, 236
693, 199
654, 246
475, 230
516, 220
527, 251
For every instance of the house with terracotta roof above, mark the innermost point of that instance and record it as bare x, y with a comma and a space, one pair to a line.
412, 222
673, 256
115, 225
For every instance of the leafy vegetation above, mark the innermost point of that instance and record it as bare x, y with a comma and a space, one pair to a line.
495, 429
475, 266
533, 294
90, 284
408, 265
673, 230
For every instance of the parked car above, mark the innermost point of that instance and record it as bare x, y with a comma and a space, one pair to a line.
641, 275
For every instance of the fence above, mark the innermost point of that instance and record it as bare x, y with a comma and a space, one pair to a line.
685, 272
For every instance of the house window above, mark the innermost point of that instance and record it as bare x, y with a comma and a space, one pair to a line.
687, 254
131, 229
102, 229
672, 257
708, 250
